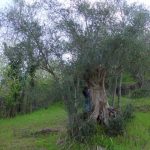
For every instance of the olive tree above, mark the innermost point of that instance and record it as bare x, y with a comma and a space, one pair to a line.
104, 38
29, 43
38, 40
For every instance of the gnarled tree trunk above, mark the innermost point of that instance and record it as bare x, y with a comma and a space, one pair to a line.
96, 81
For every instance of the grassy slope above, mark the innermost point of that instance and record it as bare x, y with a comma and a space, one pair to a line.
14, 133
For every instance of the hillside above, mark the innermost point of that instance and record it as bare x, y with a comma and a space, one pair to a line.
16, 133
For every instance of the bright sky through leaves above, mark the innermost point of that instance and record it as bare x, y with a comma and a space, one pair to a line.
5, 3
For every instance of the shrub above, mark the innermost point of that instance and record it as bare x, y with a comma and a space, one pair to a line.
82, 130
128, 112
115, 125
140, 93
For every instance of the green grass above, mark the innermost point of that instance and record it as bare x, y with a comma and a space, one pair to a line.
128, 79
15, 134
137, 136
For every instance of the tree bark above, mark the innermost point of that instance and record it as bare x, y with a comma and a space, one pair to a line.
96, 83
119, 92
114, 91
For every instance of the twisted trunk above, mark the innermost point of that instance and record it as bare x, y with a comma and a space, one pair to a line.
96, 83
